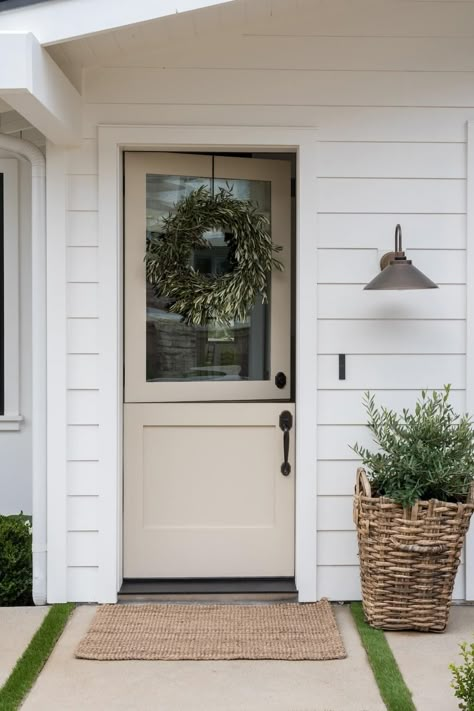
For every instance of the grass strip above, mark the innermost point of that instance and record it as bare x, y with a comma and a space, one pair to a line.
34, 657
392, 687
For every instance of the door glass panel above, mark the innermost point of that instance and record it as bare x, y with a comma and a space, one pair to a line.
176, 351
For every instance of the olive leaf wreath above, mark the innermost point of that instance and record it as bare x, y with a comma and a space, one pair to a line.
201, 298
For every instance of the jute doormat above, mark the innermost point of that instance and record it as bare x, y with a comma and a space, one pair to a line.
281, 631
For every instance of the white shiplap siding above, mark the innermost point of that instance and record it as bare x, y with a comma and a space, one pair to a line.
83, 467
387, 337
389, 87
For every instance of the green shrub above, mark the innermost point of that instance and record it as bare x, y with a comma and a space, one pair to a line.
463, 678
425, 454
15, 560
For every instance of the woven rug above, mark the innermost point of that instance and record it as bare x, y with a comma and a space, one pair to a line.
280, 631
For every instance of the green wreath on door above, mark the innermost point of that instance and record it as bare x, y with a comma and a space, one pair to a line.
201, 298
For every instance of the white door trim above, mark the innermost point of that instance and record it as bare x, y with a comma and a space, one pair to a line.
111, 139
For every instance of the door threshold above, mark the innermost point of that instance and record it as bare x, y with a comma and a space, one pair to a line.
208, 590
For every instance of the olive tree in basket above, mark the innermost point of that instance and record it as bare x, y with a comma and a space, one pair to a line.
412, 508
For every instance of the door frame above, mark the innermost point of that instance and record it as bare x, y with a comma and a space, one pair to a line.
112, 140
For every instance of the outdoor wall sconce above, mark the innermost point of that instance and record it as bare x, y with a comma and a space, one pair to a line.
397, 272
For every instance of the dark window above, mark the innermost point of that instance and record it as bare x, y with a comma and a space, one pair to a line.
12, 4
2, 305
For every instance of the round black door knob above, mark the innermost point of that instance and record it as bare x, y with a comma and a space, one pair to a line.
280, 380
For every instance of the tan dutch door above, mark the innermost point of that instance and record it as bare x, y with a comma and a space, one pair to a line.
204, 493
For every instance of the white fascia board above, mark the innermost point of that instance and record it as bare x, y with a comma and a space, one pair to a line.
62, 20
33, 85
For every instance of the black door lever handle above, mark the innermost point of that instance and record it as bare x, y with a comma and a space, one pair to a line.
286, 423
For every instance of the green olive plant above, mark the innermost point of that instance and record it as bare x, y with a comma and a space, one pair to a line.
424, 454
463, 677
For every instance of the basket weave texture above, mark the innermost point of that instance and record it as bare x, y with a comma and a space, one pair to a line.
408, 558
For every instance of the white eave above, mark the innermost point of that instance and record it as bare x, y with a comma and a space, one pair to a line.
33, 84
58, 21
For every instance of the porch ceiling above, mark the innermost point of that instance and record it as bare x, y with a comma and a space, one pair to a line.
120, 42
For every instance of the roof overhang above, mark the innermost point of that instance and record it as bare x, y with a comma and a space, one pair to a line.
62, 20
32, 84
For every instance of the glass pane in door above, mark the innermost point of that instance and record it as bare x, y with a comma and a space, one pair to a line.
176, 351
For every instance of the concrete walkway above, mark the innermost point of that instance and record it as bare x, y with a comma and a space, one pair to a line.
424, 660
69, 684
17, 627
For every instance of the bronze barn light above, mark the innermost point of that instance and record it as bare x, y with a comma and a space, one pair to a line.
397, 272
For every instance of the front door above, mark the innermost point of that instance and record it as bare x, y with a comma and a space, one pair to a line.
204, 493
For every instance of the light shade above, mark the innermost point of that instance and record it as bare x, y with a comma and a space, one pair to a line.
399, 272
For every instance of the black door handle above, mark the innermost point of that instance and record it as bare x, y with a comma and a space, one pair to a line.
286, 423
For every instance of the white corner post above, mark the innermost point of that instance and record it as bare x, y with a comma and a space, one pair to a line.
469, 550
27, 150
113, 139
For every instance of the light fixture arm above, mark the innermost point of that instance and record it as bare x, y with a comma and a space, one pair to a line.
398, 240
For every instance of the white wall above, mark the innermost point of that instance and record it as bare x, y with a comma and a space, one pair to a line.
389, 85
15, 447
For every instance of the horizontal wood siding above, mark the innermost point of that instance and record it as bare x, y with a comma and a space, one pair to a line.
389, 87
83, 466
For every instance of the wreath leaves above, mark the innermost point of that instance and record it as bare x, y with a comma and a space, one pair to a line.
197, 297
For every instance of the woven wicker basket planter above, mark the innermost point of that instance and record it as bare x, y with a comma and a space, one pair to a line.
408, 558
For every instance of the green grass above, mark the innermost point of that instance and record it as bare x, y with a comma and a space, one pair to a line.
392, 687
34, 658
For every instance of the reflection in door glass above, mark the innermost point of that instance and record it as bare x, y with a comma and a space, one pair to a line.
177, 351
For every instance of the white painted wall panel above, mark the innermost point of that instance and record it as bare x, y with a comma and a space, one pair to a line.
337, 548
82, 584
83, 407
379, 336
81, 264
395, 196
83, 513
82, 229
335, 513
336, 477
146, 85
82, 160
392, 160
82, 335
459, 584
371, 18
83, 442
82, 192
406, 372
350, 301
334, 123
83, 478
317, 52
82, 548
82, 300
339, 582
359, 266
376, 231
335, 441
83, 372
346, 407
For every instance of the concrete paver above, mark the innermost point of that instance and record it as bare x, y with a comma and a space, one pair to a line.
17, 627
69, 684
424, 660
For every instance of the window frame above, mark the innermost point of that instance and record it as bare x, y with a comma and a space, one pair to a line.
10, 418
